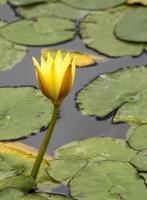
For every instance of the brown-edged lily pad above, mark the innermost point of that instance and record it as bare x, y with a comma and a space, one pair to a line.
82, 59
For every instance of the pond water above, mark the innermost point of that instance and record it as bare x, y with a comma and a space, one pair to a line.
71, 124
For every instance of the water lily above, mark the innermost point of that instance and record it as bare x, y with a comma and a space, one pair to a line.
55, 76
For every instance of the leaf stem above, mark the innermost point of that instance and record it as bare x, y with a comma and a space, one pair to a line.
45, 143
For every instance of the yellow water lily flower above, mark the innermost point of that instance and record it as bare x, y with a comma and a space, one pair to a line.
55, 76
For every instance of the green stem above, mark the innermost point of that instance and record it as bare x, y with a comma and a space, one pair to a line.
45, 143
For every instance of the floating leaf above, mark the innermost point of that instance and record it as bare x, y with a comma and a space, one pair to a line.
144, 2
3, 1
82, 59
97, 31
17, 154
49, 9
41, 31
23, 111
137, 137
127, 28
97, 149
94, 4
64, 169
10, 54
25, 2
108, 180
140, 161
119, 89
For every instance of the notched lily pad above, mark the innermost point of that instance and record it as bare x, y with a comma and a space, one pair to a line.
132, 27
50, 8
25, 2
41, 31
118, 90
144, 2
94, 4
97, 149
97, 31
137, 137
23, 111
64, 169
108, 180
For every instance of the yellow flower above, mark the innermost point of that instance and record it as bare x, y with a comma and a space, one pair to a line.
55, 76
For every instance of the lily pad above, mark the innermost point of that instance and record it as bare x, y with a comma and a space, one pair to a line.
64, 169
25, 2
118, 90
21, 159
23, 111
49, 9
10, 53
127, 28
3, 1
97, 32
97, 149
108, 180
140, 161
94, 4
82, 59
144, 2
137, 137
41, 31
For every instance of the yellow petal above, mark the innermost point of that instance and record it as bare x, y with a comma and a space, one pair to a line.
66, 84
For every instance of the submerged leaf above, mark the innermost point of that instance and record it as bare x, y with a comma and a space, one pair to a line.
41, 31
119, 89
97, 31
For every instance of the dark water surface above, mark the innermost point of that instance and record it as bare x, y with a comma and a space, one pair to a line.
71, 125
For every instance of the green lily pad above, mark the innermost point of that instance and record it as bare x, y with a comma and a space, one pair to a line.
102, 23
15, 194
108, 180
94, 4
144, 2
119, 89
127, 28
23, 111
137, 137
16, 161
41, 31
144, 176
140, 161
49, 9
10, 53
3, 1
64, 169
97, 149
25, 2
